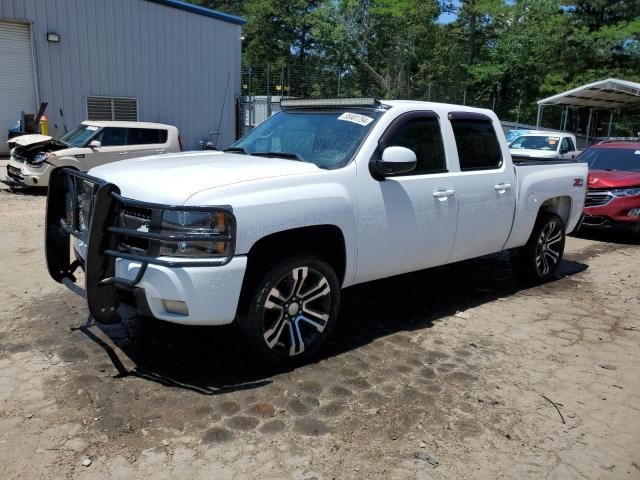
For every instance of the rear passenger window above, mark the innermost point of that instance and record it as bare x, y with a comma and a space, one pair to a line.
146, 136
422, 136
478, 147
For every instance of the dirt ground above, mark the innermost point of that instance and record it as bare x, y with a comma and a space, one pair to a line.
451, 373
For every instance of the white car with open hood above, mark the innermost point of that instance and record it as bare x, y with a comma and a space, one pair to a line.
323, 195
92, 143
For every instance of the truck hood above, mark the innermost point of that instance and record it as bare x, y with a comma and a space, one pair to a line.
172, 179
613, 179
28, 140
532, 153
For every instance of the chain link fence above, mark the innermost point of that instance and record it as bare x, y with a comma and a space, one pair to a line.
263, 86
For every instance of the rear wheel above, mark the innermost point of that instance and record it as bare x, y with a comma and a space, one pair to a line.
292, 310
537, 261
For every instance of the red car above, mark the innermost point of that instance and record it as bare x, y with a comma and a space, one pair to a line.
613, 197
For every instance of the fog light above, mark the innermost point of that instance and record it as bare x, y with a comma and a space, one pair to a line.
175, 306
634, 212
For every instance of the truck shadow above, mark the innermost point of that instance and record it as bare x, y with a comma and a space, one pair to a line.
610, 236
216, 360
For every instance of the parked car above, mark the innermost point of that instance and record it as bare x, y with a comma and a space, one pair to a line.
513, 134
613, 198
544, 146
93, 143
321, 196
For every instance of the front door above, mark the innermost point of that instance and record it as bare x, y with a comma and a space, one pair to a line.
113, 147
407, 222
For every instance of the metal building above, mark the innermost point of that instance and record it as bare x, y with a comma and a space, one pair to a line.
161, 61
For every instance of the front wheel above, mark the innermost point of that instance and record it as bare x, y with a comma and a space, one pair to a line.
292, 310
536, 261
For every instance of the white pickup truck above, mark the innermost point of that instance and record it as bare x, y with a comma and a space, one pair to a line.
321, 196
537, 145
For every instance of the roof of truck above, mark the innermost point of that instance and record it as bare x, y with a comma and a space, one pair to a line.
421, 104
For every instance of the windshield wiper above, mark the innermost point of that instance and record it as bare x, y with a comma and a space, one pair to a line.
287, 155
236, 149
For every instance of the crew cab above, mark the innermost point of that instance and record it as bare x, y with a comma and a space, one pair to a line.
321, 196
92, 143
613, 198
543, 146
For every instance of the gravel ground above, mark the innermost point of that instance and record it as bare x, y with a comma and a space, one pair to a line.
455, 372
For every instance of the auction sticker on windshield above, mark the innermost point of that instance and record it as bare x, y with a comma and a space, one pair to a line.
91, 128
356, 118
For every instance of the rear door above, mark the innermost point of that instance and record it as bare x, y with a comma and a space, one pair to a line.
407, 222
146, 141
484, 185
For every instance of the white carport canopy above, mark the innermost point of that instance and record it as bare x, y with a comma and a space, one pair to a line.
610, 94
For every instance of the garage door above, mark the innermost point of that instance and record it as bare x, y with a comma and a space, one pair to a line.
17, 83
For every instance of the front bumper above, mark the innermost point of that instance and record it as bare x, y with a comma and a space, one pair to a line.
207, 290
614, 214
29, 175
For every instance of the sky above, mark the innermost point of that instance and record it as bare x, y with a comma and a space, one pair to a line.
449, 17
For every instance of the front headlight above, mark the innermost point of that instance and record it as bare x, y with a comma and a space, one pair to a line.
197, 233
40, 158
626, 192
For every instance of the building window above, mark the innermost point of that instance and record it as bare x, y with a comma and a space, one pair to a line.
112, 108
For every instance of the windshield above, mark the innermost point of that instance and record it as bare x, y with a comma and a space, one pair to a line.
326, 138
79, 136
513, 134
624, 159
536, 142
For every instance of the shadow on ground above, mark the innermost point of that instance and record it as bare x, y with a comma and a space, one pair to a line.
214, 360
24, 191
623, 237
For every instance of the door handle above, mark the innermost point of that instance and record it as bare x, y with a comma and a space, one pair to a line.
123, 153
442, 195
159, 151
501, 187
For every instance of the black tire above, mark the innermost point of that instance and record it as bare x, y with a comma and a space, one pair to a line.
292, 310
537, 260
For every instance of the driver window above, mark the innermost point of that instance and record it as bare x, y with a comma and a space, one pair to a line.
423, 137
112, 137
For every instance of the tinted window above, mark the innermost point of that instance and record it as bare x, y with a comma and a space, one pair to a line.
146, 136
567, 144
112, 137
625, 159
422, 136
478, 147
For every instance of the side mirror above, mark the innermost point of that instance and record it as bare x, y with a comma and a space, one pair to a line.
95, 144
395, 160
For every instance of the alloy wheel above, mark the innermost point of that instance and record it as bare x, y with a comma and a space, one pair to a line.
296, 311
549, 246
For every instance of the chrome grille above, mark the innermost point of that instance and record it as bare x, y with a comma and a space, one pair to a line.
596, 198
135, 218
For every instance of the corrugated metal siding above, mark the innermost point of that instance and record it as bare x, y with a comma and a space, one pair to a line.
176, 63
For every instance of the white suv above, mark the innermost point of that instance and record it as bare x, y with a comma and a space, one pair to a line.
91, 144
